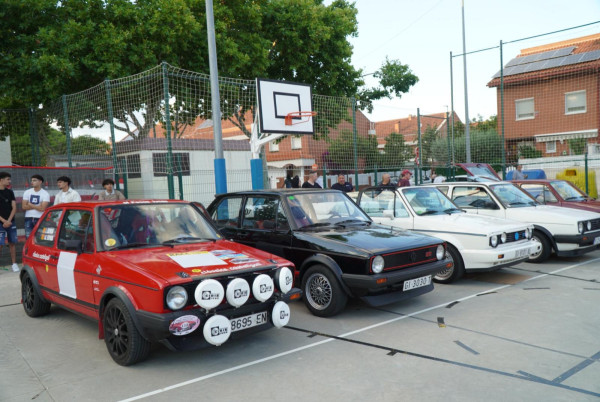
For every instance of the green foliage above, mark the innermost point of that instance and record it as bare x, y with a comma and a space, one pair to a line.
485, 146
527, 151
577, 145
394, 77
396, 152
341, 152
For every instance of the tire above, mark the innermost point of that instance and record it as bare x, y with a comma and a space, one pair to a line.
546, 250
124, 342
33, 303
456, 272
323, 294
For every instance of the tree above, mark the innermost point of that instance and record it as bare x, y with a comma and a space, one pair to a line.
577, 145
341, 152
395, 152
528, 152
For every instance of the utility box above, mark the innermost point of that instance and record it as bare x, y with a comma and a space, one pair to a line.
576, 175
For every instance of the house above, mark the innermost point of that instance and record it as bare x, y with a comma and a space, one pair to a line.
551, 96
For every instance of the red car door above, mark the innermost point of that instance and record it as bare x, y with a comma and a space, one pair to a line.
43, 255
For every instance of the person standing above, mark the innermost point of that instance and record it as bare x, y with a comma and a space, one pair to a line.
405, 181
518, 175
109, 192
35, 202
66, 193
8, 209
342, 185
312, 180
386, 181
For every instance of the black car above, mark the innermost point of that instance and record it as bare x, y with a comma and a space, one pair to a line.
337, 249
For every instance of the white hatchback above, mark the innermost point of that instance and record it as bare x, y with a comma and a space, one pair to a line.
475, 243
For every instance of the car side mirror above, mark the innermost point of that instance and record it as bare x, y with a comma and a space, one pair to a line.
74, 245
388, 213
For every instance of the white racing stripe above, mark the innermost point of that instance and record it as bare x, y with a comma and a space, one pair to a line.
312, 345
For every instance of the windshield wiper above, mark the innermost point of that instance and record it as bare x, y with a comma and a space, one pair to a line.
185, 239
450, 210
429, 212
346, 221
574, 198
315, 225
131, 245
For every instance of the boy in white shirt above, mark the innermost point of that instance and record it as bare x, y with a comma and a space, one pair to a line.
66, 193
35, 201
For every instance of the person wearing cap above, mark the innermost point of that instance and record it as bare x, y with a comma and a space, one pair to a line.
405, 178
66, 193
312, 180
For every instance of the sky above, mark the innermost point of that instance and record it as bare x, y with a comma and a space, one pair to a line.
422, 34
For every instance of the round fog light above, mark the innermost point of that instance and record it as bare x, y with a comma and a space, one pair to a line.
209, 294
217, 330
176, 297
377, 265
238, 292
284, 279
440, 252
280, 314
262, 287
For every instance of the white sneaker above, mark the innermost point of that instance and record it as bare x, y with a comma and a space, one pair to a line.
15, 267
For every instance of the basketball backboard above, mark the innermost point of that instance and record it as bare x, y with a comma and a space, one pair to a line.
276, 99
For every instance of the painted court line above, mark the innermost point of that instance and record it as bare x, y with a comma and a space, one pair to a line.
357, 331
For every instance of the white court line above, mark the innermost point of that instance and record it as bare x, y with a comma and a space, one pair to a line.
312, 345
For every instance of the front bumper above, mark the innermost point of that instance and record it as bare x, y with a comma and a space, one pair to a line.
499, 257
573, 245
386, 287
155, 326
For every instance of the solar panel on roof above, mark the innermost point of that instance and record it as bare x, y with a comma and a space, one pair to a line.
551, 59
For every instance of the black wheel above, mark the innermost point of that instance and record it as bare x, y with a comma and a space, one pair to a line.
123, 341
544, 253
32, 301
323, 294
449, 275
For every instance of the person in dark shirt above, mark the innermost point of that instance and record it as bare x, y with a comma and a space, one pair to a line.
386, 181
8, 209
405, 181
342, 185
312, 180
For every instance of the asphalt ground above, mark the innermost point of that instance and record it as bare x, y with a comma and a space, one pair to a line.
526, 333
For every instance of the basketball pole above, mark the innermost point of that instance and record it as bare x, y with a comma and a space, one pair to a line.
256, 163
219, 162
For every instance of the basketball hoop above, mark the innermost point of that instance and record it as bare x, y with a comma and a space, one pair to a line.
303, 116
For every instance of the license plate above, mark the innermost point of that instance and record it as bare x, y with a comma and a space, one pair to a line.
417, 283
597, 240
248, 321
522, 253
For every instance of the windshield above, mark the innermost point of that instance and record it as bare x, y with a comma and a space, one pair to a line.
481, 170
324, 208
568, 192
512, 196
132, 225
429, 201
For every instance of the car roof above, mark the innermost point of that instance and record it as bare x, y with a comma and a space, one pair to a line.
94, 203
279, 191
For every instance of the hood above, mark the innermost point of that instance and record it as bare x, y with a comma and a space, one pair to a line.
463, 222
593, 206
545, 214
209, 259
366, 240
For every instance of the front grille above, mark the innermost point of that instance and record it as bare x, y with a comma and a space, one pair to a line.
516, 236
595, 224
410, 258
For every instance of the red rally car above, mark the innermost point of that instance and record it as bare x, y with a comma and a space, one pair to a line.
152, 271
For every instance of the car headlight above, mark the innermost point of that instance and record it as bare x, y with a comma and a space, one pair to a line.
580, 227
589, 225
503, 237
440, 252
176, 297
493, 241
377, 265
528, 233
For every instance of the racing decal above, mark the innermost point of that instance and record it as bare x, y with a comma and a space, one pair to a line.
184, 325
66, 276
196, 270
44, 257
47, 268
196, 259
233, 257
110, 242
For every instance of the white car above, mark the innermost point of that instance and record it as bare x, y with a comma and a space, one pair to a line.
475, 243
566, 231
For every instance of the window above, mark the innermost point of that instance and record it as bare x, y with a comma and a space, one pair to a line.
260, 213
525, 109
575, 102
473, 197
46, 231
227, 213
296, 142
550, 147
130, 164
273, 147
181, 164
74, 231
541, 193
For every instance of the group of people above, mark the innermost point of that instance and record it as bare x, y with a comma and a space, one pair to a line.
386, 180
35, 201
315, 181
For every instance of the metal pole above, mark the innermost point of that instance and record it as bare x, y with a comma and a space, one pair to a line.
502, 113
419, 160
34, 141
467, 135
355, 137
67, 130
170, 183
219, 163
448, 138
112, 131
452, 108
179, 175
587, 184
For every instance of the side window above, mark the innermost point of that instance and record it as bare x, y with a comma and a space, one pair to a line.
539, 192
260, 213
472, 197
227, 212
282, 220
74, 230
46, 232
443, 189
